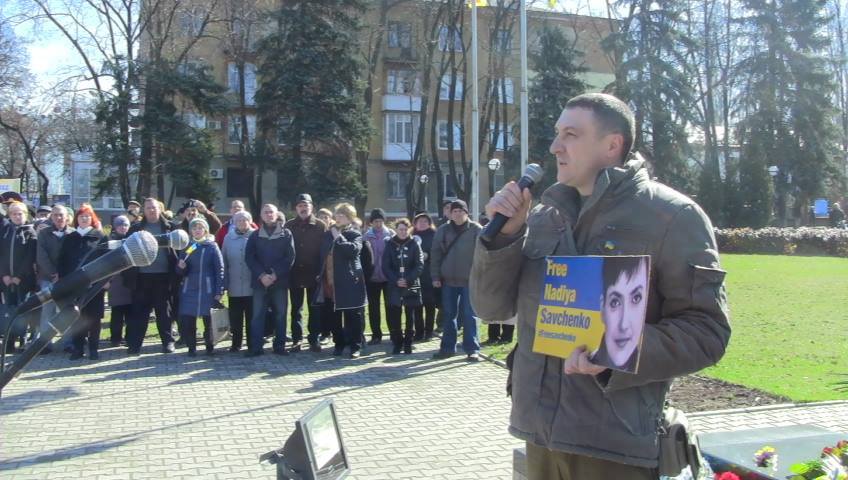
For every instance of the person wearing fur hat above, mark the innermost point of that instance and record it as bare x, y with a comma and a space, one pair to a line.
201, 267
377, 235
425, 314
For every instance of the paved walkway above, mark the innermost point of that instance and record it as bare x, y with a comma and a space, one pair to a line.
170, 416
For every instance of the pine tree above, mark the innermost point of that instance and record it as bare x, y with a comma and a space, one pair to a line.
556, 81
311, 81
651, 74
786, 103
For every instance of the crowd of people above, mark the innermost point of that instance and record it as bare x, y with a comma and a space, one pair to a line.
301, 283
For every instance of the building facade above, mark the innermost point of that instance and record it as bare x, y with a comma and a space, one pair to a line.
398, 96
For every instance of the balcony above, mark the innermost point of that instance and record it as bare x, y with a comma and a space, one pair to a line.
401, 103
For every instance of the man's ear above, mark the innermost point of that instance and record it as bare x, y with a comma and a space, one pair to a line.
615, 148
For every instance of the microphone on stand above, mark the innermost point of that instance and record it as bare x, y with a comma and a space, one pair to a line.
138, 250
532, 174
176, 239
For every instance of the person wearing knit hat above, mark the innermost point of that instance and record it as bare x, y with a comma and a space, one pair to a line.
120, 221
450, 268
377, 214
459, 204
377, 285
202, 268
198, 221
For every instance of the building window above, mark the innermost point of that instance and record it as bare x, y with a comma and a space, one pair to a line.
504, 134
450, 38
501, 41
443, 135
401, 129
400, 34
191, 21
499, 84
444, 87
449, 190
233, 81
234, 131
396, 185
402, 82
239, 182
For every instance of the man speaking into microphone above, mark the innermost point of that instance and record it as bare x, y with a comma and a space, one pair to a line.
580, 420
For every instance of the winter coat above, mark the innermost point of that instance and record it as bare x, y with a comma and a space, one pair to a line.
47, 251
428, 292
615, 415
77, 250
18, 247
378, 245
451, 264
348, 277
119, 294
407, 254
202, 277
272, 253
131, 274
308, 235
237, 277
221, 234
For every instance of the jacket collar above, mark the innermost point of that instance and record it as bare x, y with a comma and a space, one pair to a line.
387, 232
278, 231
232, 232
312, 220
611, 181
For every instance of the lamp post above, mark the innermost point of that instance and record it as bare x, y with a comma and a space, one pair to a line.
423, 179
773, 171
494, 165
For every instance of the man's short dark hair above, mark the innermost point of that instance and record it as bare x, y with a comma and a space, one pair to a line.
613, 116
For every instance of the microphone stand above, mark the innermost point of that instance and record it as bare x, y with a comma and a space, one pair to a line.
69, 313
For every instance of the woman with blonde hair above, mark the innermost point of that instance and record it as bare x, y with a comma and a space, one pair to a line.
341, 285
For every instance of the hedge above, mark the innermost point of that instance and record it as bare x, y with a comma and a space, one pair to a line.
784, 241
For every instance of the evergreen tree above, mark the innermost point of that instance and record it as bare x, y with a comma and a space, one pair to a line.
311, 86
786, 104
555, 83
652, 75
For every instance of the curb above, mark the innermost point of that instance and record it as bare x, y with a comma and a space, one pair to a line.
764, 408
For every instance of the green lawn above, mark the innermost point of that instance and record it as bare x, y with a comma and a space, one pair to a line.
790, 325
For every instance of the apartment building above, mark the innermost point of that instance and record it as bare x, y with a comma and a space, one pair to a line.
398, 98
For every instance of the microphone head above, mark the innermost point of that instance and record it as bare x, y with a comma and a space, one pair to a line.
534, 172
141, 248
178, 239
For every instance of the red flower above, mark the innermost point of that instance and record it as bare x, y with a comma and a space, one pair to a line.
827, 451
726, 476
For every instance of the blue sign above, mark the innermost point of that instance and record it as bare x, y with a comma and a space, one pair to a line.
821, 207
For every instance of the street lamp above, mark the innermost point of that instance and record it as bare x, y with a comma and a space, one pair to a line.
494, 165
424, 179
773, 171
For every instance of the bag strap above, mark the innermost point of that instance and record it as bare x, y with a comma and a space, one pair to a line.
453, 242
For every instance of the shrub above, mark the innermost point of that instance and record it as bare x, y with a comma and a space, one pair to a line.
784, 241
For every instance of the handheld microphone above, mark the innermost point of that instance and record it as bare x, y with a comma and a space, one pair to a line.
138, 250
532, 174
176, 239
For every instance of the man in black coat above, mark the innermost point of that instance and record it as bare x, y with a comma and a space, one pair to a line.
152, 285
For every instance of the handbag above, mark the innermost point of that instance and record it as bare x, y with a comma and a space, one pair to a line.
219, 324
678, 446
